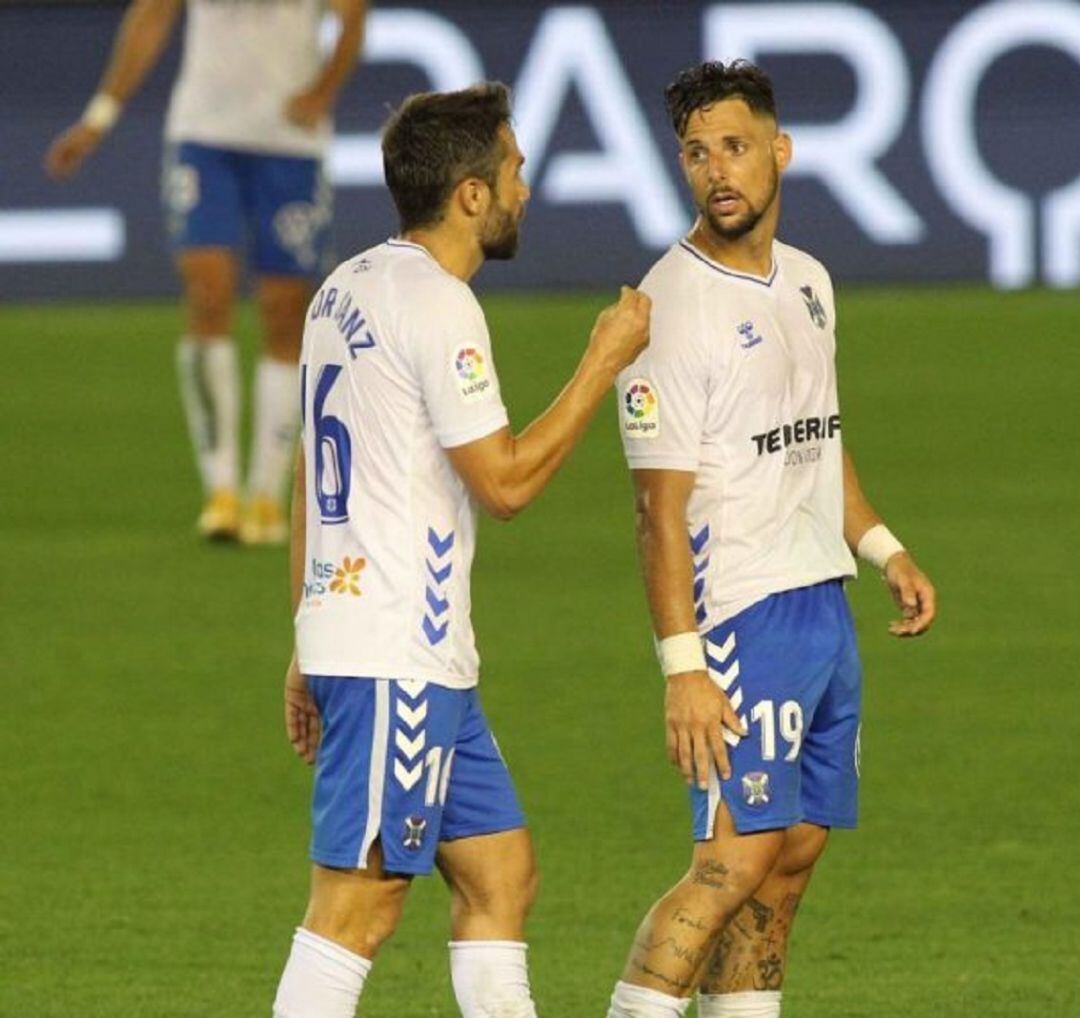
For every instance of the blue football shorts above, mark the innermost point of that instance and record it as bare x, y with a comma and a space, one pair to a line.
790, 666
217, 197
407, 762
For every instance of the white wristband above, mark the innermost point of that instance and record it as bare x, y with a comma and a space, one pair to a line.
681, 653
102, 112
878, 545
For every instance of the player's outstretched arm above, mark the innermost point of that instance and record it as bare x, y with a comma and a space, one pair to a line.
140, 40
505, 473
868, 538
302, 724
307, 108
696, 710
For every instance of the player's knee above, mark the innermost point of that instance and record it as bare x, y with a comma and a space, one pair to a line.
719, 883
506, 892
282, 304
361, 921
803, 846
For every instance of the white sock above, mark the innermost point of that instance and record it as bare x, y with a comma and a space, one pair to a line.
491, 979
752, 1004
276, 422
210, 391
629, 1001
321, 979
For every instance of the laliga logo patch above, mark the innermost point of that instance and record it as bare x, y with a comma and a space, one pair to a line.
472, 373
641, 410
414, 832
755, 788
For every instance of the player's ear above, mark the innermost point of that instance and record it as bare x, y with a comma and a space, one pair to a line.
474, 196
783, 149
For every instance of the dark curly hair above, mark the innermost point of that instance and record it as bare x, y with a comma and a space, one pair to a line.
712, 82
435, 140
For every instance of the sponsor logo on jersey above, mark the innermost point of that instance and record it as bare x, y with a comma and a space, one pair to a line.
641, 410
808, 429
472, 373
755, 788
414, 832
347, 576
814, 306
750, 337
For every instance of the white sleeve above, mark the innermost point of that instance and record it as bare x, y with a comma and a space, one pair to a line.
456, 371
663, 395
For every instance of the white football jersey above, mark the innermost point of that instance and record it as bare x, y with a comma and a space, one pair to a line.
738, 385
396, 367
242, 61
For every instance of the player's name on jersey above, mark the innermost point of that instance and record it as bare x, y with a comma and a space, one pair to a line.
809, 429
328, 303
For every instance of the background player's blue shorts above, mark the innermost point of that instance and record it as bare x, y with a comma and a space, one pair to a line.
790, 666
410, 763
217, 197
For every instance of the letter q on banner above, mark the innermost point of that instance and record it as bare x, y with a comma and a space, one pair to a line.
1006, 216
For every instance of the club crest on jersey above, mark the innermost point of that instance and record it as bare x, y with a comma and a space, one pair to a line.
750, 336
813, 306
472, 373
641, 410
414, 832
755, 788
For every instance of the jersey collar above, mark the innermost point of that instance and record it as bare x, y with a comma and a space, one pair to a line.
766, 281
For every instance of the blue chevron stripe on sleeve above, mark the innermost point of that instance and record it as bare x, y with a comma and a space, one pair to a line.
440, 545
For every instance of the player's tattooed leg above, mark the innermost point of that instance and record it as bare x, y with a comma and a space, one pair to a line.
678, 938
751, 954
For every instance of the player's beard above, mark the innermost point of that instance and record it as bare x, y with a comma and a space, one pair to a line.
732, 228
499, 241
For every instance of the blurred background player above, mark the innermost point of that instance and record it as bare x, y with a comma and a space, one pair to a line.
404, 433
246, 132
748, 510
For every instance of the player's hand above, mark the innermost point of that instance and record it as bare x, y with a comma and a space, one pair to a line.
302, 723
699, 717
913, 593
69, 150
621, 331
307, 109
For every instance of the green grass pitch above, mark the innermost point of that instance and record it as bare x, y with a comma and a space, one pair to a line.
155, 821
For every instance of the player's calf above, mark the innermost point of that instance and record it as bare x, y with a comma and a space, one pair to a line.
493, 882
674, 944
744, 976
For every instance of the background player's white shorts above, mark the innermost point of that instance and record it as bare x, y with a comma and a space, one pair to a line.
409, 763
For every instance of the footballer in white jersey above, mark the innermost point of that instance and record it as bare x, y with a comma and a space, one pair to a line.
246, 131
404, 436
396, 367
748, 511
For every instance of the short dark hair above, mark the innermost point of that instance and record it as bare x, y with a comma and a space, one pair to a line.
712, 82
435, 140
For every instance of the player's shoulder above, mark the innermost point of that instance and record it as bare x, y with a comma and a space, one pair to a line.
800, 263
669, 278
404, 277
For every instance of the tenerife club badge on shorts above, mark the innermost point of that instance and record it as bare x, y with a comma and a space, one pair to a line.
641, 409
755, 788
414, 832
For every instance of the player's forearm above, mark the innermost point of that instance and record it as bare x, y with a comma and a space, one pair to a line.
859, 514
139, 43
666, 565
534, 456
297, 534
345, 54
